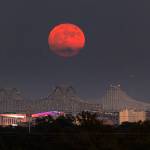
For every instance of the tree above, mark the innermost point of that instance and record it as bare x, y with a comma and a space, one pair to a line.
64, 121
44, 121
86, 118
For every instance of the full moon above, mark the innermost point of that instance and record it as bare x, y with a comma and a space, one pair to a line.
66, 40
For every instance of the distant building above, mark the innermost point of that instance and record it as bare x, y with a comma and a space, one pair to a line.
131, 115
147, 115
110, 118
12, 119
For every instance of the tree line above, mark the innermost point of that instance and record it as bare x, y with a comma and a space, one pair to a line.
83, 132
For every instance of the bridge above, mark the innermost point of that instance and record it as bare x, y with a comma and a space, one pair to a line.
11, 101
64, 98
115, 99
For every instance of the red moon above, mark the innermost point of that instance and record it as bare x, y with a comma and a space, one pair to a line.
66, 40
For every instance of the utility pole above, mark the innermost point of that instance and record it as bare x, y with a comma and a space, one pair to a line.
29, 119
29, 127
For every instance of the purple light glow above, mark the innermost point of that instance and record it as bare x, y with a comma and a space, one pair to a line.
50, 113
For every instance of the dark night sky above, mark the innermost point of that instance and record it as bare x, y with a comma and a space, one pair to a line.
117, 46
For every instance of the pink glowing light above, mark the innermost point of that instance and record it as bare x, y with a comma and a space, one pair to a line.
50, 113
21, 116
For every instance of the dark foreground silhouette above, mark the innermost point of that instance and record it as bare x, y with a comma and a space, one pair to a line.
63, 134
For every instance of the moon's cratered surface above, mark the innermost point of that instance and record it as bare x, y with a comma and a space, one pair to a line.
66, 39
